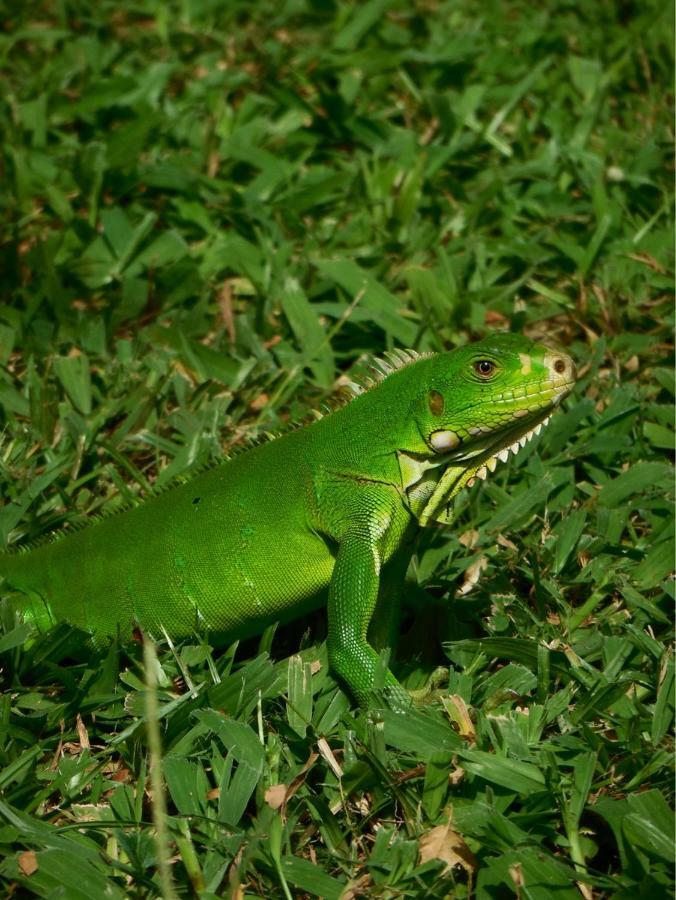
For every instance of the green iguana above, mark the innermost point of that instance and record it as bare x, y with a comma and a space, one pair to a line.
332, 505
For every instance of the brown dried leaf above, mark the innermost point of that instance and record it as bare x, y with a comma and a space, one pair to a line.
226, 308
298, 781
506, 543
585, 890
469, 538
278, 795
649, 261
472, 575
517, 877
456, 777
275, 794
213, 164
492, 317
416, 772
444, 843
327, 753
185, 372
236, 892
28, 862
82, 732
259, 402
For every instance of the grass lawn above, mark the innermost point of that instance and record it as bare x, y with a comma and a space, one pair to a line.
210, 213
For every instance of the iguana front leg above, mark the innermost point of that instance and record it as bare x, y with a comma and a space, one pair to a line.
369, 532
352, 600
385, 627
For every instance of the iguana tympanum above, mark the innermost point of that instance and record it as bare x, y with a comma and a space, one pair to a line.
332, 505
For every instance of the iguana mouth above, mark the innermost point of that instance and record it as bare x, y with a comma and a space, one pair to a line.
491, 456
512, 437
433, 482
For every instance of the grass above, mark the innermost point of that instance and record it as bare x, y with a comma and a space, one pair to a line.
209, 213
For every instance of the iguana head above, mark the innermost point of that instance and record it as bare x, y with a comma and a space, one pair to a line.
480, 403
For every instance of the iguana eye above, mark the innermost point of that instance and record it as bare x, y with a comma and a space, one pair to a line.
484, 367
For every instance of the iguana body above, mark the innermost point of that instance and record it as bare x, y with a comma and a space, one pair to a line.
334, 504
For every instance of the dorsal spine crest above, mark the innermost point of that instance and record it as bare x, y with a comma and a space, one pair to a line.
378, 368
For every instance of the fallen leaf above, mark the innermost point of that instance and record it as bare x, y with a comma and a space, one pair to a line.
82, 732
506, 543
456, 777
226, 309
278, 795
327, 753
517, 877
469, 538
444, 843
259, 402
495, 318
297, 782
585, 890
472, 575
28, 862
275, 794
649, 261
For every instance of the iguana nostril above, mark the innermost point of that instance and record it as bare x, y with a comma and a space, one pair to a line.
559, 366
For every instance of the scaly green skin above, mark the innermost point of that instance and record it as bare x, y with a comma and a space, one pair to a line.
334, 505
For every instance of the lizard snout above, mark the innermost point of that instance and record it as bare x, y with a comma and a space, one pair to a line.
561, 368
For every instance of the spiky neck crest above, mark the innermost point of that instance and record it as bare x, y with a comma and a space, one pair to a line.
380, 368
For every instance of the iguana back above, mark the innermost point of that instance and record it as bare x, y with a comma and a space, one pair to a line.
210, 554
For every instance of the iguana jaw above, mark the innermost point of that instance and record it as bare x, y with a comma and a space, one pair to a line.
431, 483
